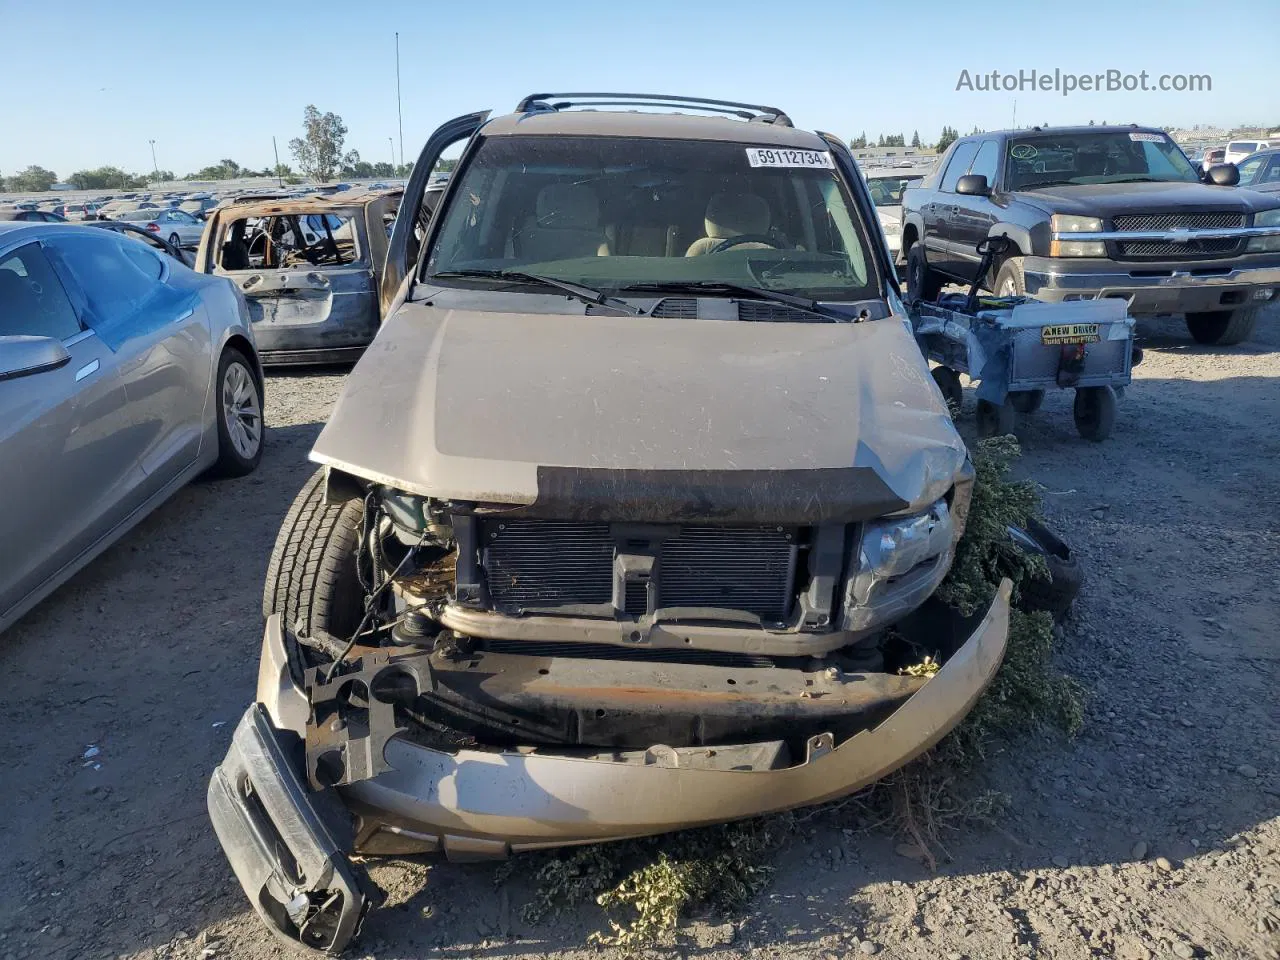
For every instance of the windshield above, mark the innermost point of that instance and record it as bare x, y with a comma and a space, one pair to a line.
1110, 157
887, 191
614, 213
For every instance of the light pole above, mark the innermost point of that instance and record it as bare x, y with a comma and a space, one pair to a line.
155, 167
399, 114
392, 144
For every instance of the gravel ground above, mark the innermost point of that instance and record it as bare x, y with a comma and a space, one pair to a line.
1155, 833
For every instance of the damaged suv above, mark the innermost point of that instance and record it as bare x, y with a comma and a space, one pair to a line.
627, 521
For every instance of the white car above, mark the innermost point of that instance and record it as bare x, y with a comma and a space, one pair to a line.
177, 226
1237, 150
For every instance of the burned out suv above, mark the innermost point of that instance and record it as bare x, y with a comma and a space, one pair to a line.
1098, 212
627, 520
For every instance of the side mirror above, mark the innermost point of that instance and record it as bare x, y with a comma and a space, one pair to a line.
24, 356
973, 185
1223, 175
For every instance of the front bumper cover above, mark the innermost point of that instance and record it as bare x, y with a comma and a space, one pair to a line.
1152, 288
474, 803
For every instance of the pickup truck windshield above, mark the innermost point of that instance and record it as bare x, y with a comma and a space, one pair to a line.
1117, 156
613, 213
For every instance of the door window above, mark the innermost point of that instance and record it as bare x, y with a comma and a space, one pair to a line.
1249, 169
115, 284
959, 165
32, 300
987, 161
1273, 172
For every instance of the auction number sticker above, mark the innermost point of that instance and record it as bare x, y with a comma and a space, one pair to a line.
1141, 137
773, 157
1070, 333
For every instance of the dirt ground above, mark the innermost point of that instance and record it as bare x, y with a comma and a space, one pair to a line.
1155, 833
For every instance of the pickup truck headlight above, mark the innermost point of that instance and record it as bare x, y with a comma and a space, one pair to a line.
900, 561
1267, 218
1061, 223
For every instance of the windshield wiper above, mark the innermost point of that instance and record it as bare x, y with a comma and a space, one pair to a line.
744, 290
575, 290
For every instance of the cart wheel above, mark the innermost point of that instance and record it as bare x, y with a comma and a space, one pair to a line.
995, 419
948, 382
1095, 412
1026, 401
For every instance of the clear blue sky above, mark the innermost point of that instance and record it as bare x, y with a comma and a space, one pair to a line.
90, 82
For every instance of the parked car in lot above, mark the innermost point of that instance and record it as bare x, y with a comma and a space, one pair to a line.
1212, 157
650, 487
886, 188
21, 215
123, 375
153, 240
178, 227
1237, 150
1261, 171
81, 211
1098, 212
310, 268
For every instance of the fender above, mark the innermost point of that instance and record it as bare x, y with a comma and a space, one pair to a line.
1018, 234
912, 219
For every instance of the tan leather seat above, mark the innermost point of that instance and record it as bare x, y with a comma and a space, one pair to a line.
732, 215
566, 225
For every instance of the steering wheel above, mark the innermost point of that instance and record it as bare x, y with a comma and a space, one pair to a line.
730, 242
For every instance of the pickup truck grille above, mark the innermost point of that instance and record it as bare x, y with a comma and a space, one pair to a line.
1177, 221
548, 563
1168, 249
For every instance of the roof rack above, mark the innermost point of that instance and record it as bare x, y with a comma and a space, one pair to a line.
541, 102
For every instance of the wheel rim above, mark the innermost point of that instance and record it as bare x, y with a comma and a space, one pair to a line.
241, 410
1007, 289
175, 240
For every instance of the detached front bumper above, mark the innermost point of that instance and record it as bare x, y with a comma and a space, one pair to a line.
1157, 287
476, 803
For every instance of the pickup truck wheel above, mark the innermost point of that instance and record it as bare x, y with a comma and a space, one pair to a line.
311, 576
1011, 281
1026, 401
995, 419
1095, 412
1223, 327
948, 382
923, 283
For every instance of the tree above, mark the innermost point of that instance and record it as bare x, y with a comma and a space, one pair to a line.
103, 178
895, 140
359, 170
34, 179
860, 143
161, 176
404, 169
880, 141
946, 138
915, 138
383, 169
319, 150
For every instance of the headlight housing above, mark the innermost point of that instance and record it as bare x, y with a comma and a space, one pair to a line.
1063, 223
900, 561
1267, 218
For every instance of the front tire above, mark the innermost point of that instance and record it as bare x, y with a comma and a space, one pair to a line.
175, 241
238, 399
1223, 328
923, 283
1011, 279
311, 577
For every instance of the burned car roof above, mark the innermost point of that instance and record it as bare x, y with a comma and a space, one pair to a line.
333, 203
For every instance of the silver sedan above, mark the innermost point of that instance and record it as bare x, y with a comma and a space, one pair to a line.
123, 375
177, 226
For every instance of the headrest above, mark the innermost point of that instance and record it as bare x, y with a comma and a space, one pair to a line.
735, 214
566, 206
